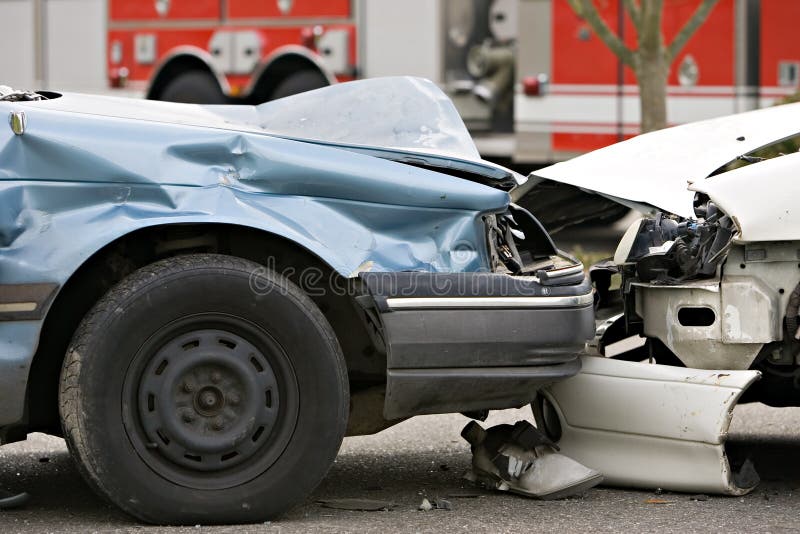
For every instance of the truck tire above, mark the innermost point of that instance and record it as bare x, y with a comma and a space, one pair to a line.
299, 82
204, 389
193, 87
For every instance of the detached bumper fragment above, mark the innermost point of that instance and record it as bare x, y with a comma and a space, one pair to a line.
520, 459
646, 425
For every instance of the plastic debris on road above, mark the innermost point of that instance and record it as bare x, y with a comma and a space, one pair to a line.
358, 505
522, 460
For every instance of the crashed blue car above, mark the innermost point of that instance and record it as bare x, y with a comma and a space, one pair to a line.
203, 300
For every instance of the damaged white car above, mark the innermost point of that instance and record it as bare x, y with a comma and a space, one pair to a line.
709, 279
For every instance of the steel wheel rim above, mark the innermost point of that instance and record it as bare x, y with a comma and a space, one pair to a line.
210, 401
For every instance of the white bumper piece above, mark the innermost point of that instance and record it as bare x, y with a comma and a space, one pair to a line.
649, 426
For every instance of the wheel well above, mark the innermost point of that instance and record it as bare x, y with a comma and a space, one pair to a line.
366, 364
172, 69
275, 72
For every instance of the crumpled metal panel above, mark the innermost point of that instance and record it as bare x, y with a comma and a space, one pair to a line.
74, 182
654, 168
83, 181
760, 197
404, 113
398, 118
400, 113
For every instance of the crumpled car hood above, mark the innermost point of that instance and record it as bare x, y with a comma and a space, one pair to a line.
115, 166
653, 170
402, 119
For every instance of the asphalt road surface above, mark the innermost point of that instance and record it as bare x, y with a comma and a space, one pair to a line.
425, 457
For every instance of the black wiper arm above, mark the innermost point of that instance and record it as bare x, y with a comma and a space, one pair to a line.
751, 159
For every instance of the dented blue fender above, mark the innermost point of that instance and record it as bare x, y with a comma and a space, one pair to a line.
89, 170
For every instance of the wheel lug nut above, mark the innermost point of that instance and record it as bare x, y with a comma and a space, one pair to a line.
208, 400
215, 377
188, 417
188, 387
217, 424
234, 399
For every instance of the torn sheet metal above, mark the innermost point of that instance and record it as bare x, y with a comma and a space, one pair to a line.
762, 198
648, 426
654, 168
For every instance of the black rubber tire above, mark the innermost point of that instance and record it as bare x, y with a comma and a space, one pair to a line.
193, 87
111, 344
299, 82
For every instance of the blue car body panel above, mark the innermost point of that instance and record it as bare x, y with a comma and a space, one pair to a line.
372, 177
78, 179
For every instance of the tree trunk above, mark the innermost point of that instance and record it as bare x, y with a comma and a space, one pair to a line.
651, 75
651, 60
652, 67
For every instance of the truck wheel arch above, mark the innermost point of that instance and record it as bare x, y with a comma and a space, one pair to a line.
180, 61
279, 66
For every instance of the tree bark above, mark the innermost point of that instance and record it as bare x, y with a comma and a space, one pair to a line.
652, 68
651, 76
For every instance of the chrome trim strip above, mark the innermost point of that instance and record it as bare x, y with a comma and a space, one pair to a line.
413, 303
25, 302
566, 271
11, 307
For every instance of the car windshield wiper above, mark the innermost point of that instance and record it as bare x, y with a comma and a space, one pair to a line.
751, 159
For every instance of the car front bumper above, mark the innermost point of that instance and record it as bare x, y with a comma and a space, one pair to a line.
475, 341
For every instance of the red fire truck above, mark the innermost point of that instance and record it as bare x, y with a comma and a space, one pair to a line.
531, 80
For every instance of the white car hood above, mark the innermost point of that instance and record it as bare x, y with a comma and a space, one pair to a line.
654, 169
